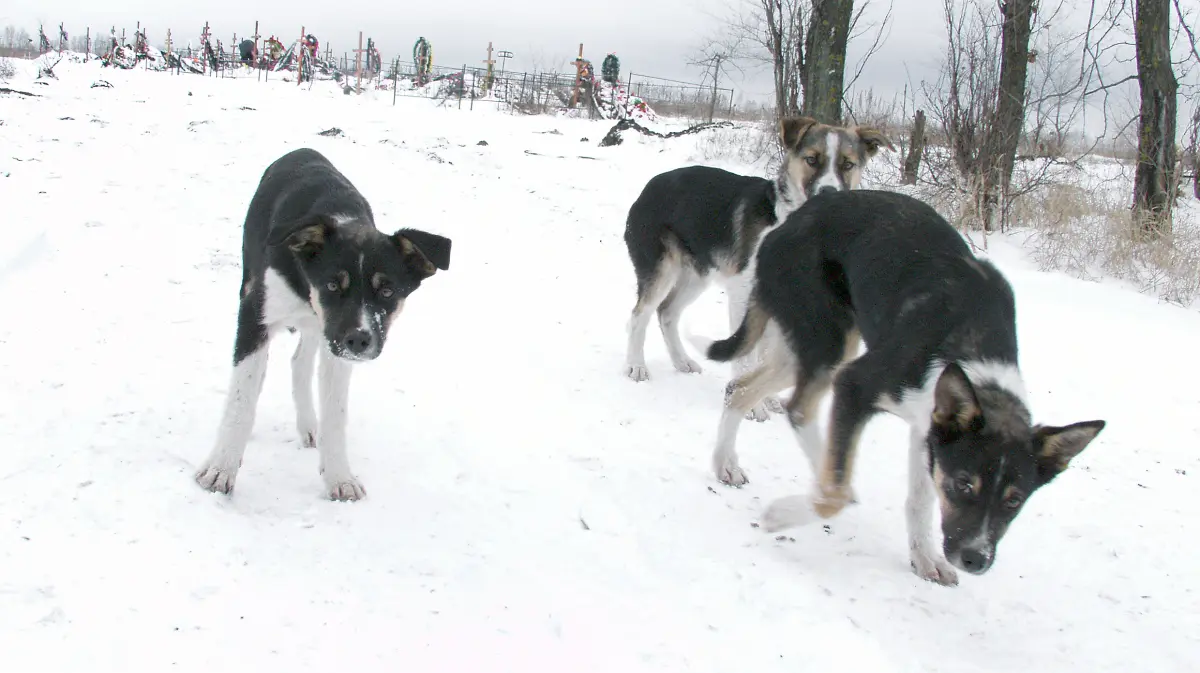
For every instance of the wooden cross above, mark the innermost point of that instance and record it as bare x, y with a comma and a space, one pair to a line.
168, 44
300, 58
578, 75
358, 59
489, 62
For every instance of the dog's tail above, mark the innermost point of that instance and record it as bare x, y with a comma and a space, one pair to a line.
754, 324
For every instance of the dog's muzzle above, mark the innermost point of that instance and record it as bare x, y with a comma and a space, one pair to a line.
358, 344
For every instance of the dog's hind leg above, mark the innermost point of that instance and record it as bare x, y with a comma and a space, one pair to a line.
689, 287
654, 285
854, 400
303, 361
738, 291
802, 414
776, 373
927, 560
219, 471
333, 384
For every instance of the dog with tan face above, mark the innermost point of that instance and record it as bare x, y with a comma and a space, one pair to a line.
695, 223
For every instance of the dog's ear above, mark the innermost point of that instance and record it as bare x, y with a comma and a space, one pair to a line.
873, 138
423, 252
1056, 446
956, 409
305, 237
792, 129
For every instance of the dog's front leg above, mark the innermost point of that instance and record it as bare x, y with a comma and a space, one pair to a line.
927, 561
219, 471
738, 291
302, 393
333, 382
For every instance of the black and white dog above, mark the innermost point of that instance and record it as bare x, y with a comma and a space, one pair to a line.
313, 262
691, 222
940, 330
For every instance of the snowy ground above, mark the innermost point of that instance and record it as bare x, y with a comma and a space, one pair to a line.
496, 424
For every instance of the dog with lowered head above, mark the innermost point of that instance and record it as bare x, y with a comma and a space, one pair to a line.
314, 262
941, 336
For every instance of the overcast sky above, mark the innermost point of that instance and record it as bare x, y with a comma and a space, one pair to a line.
652, 37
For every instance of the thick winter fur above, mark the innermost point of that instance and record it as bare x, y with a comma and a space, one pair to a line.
313, 262
940, 330
692, 223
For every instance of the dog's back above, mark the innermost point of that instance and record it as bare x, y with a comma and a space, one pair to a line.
894, 267
697, 206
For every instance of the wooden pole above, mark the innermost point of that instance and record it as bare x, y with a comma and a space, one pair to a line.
490, 63
87, 45
300, 58
358, 63
578, 75
168, 49
203, 51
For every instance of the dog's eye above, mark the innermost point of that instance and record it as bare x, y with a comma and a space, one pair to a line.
386, 292
812, 160
1013, 502
332, 286
963, 486
847, 165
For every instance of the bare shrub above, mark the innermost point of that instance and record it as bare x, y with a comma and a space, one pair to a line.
7, 71
750, 144
1088, 232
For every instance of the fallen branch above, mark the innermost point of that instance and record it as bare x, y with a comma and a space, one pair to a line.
4, 89
614, 134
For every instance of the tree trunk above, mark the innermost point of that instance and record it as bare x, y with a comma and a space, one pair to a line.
1152, 185
916, 147
712, 106
1196, 153
825, 59
1000, 148
773, 15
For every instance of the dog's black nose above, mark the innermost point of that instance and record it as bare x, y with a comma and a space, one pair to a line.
827, 190
358, 341
974, 561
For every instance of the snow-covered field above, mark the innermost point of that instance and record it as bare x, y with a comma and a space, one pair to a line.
528, 509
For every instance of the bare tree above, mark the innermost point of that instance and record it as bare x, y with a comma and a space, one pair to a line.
1153, 185
824, 64
1194, 150
717, 56
916, 147
804, 42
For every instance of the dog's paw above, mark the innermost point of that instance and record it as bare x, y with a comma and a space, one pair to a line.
216, 479
829, 502
345, 490
787, 512
774, 405
729, 473
637, 372
759, 413
935, 568
308, 433
687, 366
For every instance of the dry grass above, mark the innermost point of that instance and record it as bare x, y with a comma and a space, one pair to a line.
1088, 233
744, 143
